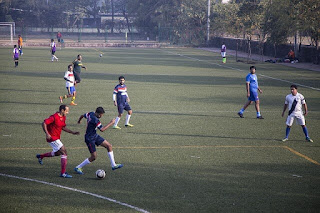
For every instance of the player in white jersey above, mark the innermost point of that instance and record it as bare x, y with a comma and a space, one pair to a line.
296, 102
70, 85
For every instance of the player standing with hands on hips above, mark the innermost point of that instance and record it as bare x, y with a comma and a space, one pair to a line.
121, 100
53, 126
296, 102
252, 92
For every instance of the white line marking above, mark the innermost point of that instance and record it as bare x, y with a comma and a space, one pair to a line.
277, 79
77, 190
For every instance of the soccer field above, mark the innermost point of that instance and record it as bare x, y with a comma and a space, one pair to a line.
188, 150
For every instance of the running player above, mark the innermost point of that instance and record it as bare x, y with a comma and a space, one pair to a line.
121, 100
296, 101
20, 43
53, 126
77, 65
252, 92
53, 50
70, 85
92, 139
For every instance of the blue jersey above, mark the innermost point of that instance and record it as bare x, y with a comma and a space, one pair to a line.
93, 124
253, 81
121, 93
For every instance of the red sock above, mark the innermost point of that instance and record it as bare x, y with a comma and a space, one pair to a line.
63, 163
48, 154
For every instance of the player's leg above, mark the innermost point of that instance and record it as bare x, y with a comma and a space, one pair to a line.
302, 122
127, 124
120, 112
289, 123
108, 146
240, 113
257, 106
93, 155
77, 77
73, 95
64, 160
56, 146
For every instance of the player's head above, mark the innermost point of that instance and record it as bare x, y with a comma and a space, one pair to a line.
70, 67
122, 80
252, 69
294, 89
63, 109
79, 57
99, 112
52, 40
15, 46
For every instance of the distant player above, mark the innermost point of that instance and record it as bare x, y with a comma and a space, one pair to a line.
92, 139
296, 102
70, 85
53, 126
121, 100
77, 65
20, 44
252, 88
53, 47
15, 55
223, 53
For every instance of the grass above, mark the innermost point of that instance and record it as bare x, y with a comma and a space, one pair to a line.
188, 150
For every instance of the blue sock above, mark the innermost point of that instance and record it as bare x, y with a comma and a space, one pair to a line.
305, 131
258, 114
241, 111
287, 132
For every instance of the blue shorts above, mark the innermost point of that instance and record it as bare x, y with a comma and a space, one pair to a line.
123, 106
72, 90
92, 141
253, 95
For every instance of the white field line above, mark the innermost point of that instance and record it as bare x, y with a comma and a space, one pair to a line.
237, 69
76, 190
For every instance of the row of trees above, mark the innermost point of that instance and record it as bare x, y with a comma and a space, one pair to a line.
268, 20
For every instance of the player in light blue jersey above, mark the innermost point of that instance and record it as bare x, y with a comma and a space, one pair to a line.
92, 139
121, 100
253, 88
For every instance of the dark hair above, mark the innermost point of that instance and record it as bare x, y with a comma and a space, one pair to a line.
62, 107
70, 65
100, 110
122, 77
52, 39
294, 86
252, 67
15, 46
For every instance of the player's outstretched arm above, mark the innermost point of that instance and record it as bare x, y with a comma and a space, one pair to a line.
70, 131
108, 125
80, 118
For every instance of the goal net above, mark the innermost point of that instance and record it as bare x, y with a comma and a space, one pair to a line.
7, 30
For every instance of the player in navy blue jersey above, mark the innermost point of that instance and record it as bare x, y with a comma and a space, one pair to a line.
252, 92
121, 100
92, 138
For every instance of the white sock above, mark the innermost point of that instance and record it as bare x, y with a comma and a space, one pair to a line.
113, 163
127, 119
52, 58
117, 121
85, 162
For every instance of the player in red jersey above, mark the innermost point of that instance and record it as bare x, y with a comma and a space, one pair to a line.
53, 126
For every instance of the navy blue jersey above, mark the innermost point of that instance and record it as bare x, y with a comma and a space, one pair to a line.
121, 92
93, 124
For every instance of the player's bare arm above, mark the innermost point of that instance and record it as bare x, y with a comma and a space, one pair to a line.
80, 118
284, 109
108, 125
44, 127
248, 89
260, 90
70, 131
305, 109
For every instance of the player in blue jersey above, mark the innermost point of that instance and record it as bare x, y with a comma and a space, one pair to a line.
121, 100
92, 138
253, 88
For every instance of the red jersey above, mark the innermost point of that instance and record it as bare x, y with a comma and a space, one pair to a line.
55, 123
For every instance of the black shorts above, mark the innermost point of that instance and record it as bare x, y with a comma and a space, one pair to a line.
53, 52
77, 76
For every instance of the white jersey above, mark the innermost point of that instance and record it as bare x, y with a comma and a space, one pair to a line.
295, 103
69, 75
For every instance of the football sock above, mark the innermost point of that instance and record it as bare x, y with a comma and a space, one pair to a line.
258, 114
127, 119
287, 132
85, 162
73, 98
305, 131
63, 163
52, 58
117, 121
111, 157
46, 155
241, 111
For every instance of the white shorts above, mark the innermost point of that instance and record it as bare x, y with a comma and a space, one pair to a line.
56, 145
299, 117
223, 54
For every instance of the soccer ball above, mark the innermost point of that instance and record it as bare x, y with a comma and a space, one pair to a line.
100, 55
100, 174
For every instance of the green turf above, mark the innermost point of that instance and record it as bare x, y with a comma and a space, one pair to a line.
188, 150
